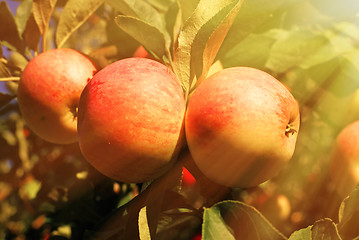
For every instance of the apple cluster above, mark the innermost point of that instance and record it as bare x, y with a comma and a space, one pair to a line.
131, 118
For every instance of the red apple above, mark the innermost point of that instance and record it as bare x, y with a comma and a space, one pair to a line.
241, 126
131, 118
187, 178
344, 163
49, 92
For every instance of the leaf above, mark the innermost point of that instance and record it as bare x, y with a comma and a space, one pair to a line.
4, 71
236, 220
253, 15
325, 229
161, 5
321, 229
173, 24
206, 28
23, 13
214, 227
187, 8
344, 80
143, 228
75, 13
139, 9
145, 20
253, 51
302, 234
149, 36
294, 48
206, 54
32, 34
176, 222
349, 216
8, 28
42, 10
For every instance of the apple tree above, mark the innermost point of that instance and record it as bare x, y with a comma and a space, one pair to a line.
194, 119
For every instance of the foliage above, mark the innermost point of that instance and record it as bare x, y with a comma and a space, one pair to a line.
49, 191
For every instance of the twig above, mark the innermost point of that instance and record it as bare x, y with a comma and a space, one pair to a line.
6, 79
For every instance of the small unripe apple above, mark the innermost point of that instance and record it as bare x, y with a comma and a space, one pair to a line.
241, 126
344, 163
49, 92
141, 53
131, 118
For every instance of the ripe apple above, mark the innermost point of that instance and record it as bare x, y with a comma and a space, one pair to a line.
131, 118
241, 126
344, 163
49, 92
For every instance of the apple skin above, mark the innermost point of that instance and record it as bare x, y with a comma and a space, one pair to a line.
241, 126
49, 92
131, 118
187, 178
141, 53
344, 161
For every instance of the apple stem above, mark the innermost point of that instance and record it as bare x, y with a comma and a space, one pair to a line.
289, 130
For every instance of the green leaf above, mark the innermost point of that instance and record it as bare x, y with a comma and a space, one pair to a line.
294, 48
147, 35
337, 44
214, 227
139, 9
206, 28
302, 234
349, 216
4, 71
42, 10
215, 31
32, 34
75, 13
253, 51
23, 13
143, 228
8, 28
161, 5
187, 8
325, 229
254, 15
321, 229
143, 19
344, 81
173, 25
236, 220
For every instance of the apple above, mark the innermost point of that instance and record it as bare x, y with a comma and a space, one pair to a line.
141, 52
344, 160
241, 126
131, 118
49, 92
187, 178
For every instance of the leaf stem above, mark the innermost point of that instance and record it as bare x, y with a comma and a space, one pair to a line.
44, 40
9, 79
